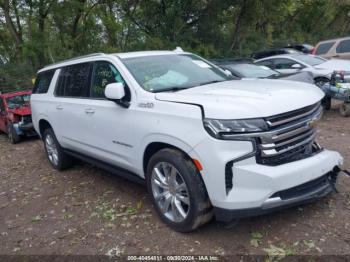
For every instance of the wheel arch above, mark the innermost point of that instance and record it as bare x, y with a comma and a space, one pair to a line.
43, 125
153, 148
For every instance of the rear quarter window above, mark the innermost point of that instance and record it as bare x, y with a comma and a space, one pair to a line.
344, 46
324, 48
42, 82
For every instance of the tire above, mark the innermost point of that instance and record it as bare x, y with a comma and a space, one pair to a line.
320, 81
14, 138
189, 206
326, 103
344, 109
54, 152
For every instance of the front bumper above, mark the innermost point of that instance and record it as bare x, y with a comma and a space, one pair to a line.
25, 129
255, 185
305, 193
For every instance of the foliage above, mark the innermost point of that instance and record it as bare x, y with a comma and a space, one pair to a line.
34, 33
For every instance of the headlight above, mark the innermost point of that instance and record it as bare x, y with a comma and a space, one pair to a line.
217, 127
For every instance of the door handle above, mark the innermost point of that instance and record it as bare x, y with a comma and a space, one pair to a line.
59, 107
89, 111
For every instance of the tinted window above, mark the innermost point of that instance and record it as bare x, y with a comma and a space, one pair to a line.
104, 73
344, 46
74, 81
267, 63
42, 82
283, 63
324, 48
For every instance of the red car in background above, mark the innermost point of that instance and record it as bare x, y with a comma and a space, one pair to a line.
16, 116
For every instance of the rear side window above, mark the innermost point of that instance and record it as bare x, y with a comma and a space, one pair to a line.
74, 81
344, 46
42, 82
324, 48
267, 63
283, 63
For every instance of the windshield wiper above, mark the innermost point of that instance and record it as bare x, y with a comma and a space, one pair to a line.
211, 82
174, 89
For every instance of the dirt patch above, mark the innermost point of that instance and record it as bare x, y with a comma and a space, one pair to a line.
85, 210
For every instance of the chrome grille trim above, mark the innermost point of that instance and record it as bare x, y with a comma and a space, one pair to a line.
291, 138
274, 152
290, 119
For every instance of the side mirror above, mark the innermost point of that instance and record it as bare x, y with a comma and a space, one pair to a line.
228, 72
296, 66
116, 92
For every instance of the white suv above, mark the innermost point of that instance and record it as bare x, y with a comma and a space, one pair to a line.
203, 143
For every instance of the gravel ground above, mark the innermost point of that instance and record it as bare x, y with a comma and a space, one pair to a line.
87, 211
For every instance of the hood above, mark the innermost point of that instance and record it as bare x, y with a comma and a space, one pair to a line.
335, 64
239, 99
22, 111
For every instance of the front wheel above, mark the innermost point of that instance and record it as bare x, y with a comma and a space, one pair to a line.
14, 138
178, 192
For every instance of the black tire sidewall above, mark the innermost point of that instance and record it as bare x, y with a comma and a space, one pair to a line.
50, 132
191, 177
12, 135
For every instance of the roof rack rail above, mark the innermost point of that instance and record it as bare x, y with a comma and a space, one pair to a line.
75, 58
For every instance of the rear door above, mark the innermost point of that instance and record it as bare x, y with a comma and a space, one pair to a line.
2, 116
343, 49
71, 101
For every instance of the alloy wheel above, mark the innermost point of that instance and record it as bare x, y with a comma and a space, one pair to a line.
51, 149
170, 192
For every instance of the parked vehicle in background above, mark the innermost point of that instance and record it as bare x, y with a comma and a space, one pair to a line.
304, 48
273, 52
338, 89
247, 70
204, 144
334, 48
15, 115
320, 68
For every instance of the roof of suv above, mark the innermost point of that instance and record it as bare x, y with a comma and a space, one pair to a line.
95, 56
334, 39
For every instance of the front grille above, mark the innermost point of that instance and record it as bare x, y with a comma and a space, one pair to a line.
291, 136
27, 119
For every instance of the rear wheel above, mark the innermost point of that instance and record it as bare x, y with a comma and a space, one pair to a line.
54, 152
177, 190
344, 109
14, 138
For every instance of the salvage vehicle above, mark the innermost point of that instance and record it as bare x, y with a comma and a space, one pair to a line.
320, 68
334, 48
273, 52
304, 48
248, 70
15, 115
205, 145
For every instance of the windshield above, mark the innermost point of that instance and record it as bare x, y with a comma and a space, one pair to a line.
170, 72
311, 60
18, 101
252, 71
